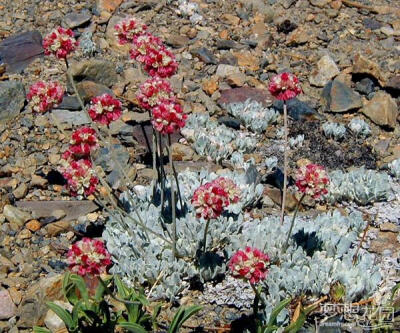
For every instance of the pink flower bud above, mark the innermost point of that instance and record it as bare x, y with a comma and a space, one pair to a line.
43, 96
312, 180
60, 42
284, 86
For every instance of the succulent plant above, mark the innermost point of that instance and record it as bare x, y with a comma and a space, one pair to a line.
297, 141
320, 254
271, 162
359, 127
142, 257
190, 10
334, 130
359, 185
394, 168
86, 44
253, 115
217, 141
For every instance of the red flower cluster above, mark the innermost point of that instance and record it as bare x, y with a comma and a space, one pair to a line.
80, 177
210, 199
153, 54
88, 256
284, 86
128, 28
83, 142
105, 109
168, 117
250, 264
43, 96
60, 42
312, 180
153, 91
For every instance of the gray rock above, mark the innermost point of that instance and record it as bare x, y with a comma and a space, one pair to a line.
74, 19
72, 118
240, 95
18, 51
107, 158
225, 70
98, 71
298, 110
340, 98
326, 70
211, 106
7, 306
12, 99
229, 122
205, 55
15, 216
365, 86
20, 191
227, 44
69, 103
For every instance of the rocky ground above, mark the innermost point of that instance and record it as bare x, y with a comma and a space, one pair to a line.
236, 44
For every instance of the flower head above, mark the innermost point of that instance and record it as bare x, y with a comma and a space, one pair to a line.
250, 264
80, 177
105, 109
155, 57
230, 188
128, 28
43, 96
88, 256
168, 117
284, 86
312, 180
83, 142
153, 91
60, 42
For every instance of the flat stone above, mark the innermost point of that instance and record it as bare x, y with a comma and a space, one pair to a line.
88, 89
12, 99
298, 36
365, 86
181, 152
225, 70
107, 5
247, 60
56, 228
240, 95
389, 227
394, 83
362, 65
227, 44
205, 55
16, 216
340, 98
7, 306
382, 110
20, 191
98, 71
177, 41
71, 117
320, 3
111, 37
74, 19
72, 209
385, 241
69, 103
18, 51
298, 110
372, 24
275, 195
326, 70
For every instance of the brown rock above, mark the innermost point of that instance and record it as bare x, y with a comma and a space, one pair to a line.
177, 41
276, 195
230, 19
112, 39
38, 181
382, 110
24, 234
236, 80
363, 65
394, 83
33, 225
240, 95
336, 4
385, 241
20, 191
108, 5
247, 60
89, 89
389, 227
56, 228
15, 295
210, 86
326, 70
298, 36
16, 216
181, 152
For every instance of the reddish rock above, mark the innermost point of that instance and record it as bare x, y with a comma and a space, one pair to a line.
240, 95
7, 306
394, 83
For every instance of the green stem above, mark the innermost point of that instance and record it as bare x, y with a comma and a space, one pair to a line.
256, 300
109, 292
205, 235
173, 207
285, 161
292, 223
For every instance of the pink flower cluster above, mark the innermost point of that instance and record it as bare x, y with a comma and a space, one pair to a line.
60, 42
312, 180
153, 91
80, 177
83, 142
105, 109
88, 257
284, 86
153, 54
43, 96
210, 199
128, 28
250, 264
168, 117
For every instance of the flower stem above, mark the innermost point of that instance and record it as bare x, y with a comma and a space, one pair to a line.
256, 300
205, 235
109, 292
285, 161
173, 207
292, 223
